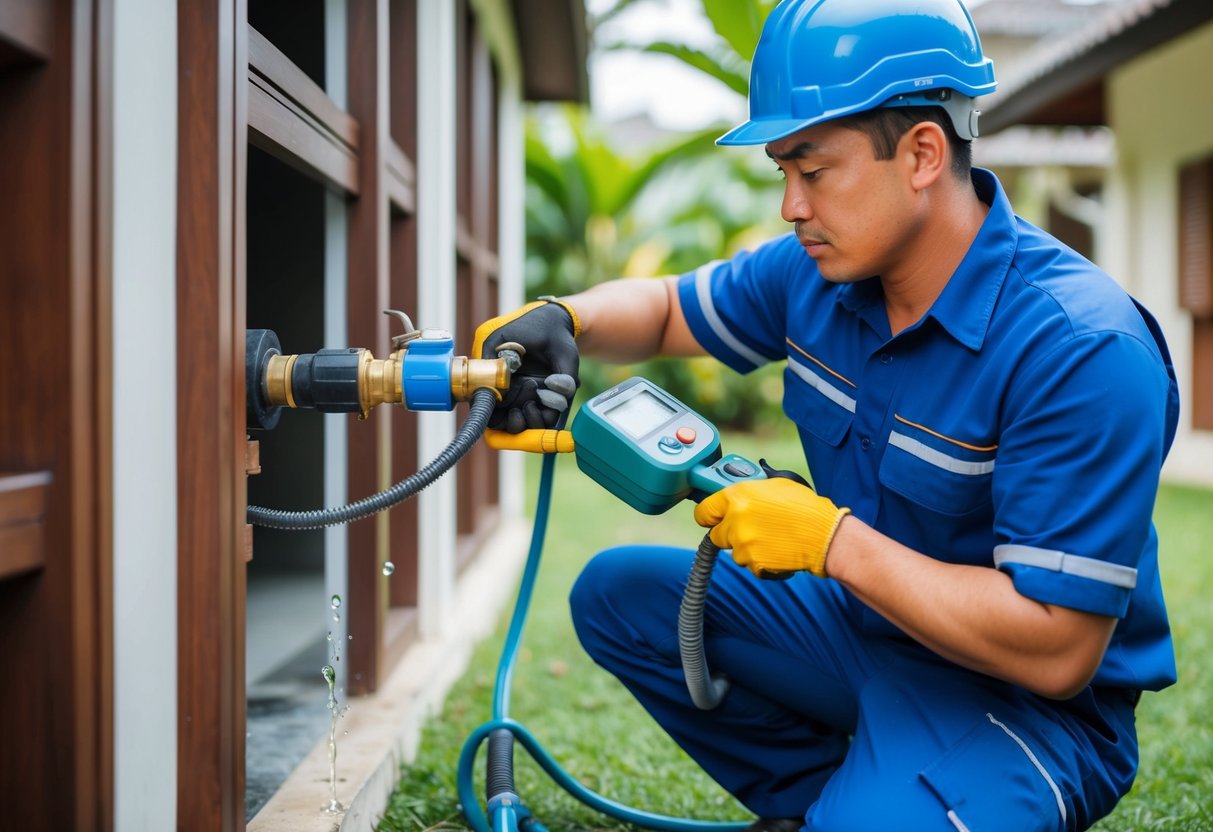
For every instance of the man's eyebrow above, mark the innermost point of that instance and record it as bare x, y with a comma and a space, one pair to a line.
798, 152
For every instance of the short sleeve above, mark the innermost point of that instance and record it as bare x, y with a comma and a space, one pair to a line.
1077, 470
737, 308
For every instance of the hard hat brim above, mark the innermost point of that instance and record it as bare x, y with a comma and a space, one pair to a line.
764, 131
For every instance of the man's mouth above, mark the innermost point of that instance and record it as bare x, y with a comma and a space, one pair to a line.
811, 244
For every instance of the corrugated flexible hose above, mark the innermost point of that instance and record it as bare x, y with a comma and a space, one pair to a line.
483, 402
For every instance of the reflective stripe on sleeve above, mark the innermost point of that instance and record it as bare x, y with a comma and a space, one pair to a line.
938, 458
1096, 570
703, 292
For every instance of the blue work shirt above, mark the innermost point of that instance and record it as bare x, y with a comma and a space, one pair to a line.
1020, 424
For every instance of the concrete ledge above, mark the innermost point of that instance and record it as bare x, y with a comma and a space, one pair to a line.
381, 732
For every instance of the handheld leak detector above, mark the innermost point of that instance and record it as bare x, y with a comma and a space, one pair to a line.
651, 450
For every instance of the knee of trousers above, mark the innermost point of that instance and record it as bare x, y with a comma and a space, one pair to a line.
620, 589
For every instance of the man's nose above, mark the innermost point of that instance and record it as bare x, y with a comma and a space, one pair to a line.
795, 204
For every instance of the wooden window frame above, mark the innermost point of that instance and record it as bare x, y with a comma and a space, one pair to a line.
1195, 247
56, 436
478, 267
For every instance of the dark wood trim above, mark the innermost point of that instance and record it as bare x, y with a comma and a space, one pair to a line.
553, 45
402, 268
278, 126
269, 62
292, 118
212, 494
368, 294
471, 250
1202, 374
401, 179
96, 146
56, 770
23, 507
26, 31
1193, 238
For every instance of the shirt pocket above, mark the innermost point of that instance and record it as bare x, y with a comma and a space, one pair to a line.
818, 403
929, 469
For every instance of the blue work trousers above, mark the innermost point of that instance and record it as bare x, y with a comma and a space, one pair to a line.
850, 729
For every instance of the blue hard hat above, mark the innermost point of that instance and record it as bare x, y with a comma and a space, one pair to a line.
822, 59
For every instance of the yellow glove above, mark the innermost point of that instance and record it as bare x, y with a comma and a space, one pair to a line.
773, 526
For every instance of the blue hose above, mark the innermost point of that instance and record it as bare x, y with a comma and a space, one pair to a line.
507, 811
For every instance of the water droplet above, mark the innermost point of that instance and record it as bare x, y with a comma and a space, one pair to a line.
350, 638
329, 674
388, 567
335, 601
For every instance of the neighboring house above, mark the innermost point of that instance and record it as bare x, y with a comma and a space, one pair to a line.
1142, 69
174, 173
1053, 175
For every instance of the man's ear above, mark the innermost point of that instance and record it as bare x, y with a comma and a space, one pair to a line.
925, 149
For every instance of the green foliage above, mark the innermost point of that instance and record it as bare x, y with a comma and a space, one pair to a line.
594, 213
739, 22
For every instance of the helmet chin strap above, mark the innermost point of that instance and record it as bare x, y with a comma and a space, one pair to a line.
962, 109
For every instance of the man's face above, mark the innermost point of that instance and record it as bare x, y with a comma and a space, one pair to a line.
853, 214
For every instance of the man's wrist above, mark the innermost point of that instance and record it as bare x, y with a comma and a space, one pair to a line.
567, 307
842, 546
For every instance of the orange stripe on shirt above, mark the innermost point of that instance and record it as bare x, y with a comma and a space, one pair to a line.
841, 378
945, 438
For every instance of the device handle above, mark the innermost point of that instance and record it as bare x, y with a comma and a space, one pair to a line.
536, 441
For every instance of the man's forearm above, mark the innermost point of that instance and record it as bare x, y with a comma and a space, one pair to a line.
632, 319
971, 615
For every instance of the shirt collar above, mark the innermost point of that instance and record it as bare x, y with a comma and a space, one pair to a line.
966, 304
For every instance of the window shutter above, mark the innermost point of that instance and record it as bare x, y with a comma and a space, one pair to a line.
1196, 238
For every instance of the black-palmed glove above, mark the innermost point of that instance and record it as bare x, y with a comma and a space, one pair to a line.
543, 387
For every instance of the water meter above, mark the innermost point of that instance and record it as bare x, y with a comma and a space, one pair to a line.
651, 450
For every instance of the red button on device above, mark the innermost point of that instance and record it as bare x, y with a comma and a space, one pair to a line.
685, 435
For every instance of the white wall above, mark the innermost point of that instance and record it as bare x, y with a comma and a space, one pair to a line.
145, 419
436, 297
1161, 107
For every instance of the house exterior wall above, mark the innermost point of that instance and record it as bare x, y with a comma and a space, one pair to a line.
145, 426
436, 85
1161, 107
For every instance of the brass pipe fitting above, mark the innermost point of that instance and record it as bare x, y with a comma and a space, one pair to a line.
278, 380
379, 381
470, 374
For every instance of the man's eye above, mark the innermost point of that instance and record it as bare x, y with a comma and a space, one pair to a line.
811, 175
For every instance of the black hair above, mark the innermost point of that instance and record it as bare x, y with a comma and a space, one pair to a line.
885, 126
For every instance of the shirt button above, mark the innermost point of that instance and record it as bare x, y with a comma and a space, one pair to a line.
885, 358
865, 443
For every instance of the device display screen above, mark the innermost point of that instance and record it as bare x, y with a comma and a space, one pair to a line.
640, 414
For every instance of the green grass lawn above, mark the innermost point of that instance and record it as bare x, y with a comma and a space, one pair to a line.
591, 725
